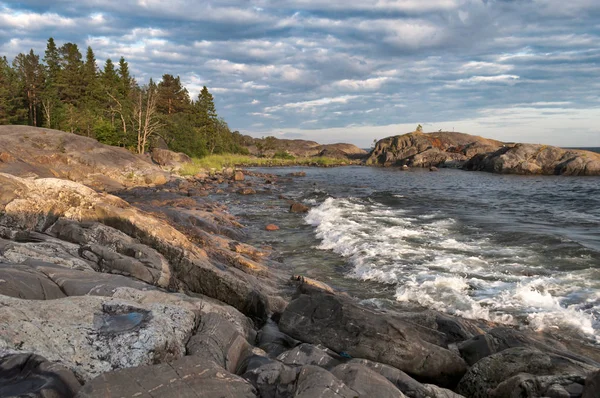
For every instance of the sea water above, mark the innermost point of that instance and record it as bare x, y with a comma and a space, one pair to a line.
520, 250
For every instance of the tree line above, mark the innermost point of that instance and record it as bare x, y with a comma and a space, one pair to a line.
65, 91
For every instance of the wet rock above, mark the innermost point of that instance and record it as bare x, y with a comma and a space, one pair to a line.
487, 374
188, 377
340, 324
218, 341
246, 191
502, 338
298, 208
272, 227
238, 176
298, 174
366, 382
29, 375
97, 332
308, 354
405, 167
433, 168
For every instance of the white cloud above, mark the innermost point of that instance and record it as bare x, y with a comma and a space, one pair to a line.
308, 105
360, 85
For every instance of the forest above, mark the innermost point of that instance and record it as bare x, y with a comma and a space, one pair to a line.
66, 92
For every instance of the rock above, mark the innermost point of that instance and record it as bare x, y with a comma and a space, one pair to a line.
536, 159
306, 285
298, 174
246, 191
366, 382
340, 324
307, 354
433, 168
28, 375
315, 382
405, 167
272, 227
431, 149
218, 341
21, 281
166, 158
592, 385
271, 378
238, 176
96, 333
298, 208
527, 385
406, 384
273, 341
487, 374
301, 148
188, 377
502, 338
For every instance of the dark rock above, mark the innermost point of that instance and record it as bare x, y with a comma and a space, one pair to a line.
298, 174
218, 341
29, 375
433, 168
366, 382
307, 354
487, 374
190, 376
273, 379
340, 324
298, 208
592, 385
526, 385
316, 382
24, 282
273, 341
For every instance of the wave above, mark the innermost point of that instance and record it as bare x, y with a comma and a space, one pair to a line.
434, 263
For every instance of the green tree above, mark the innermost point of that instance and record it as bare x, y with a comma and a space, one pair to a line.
207, 119
12, 108
51, 104
172, 96
31, 76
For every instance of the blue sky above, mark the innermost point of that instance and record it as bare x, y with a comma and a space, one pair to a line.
352, 71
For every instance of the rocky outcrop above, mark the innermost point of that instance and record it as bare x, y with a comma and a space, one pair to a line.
303, 148
442, 149
340, 324
457, 150
168, 159
35, 152
537, 159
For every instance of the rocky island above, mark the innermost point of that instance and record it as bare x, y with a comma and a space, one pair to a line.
119, 278
450, 149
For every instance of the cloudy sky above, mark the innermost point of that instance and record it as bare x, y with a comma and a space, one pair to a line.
348, 70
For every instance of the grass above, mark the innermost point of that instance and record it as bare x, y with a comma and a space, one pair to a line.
230, 160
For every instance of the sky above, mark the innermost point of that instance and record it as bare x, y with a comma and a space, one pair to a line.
351, 71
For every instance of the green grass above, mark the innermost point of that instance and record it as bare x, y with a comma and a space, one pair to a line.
229, 160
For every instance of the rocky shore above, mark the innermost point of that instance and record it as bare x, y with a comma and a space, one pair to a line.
469, 152
120, 279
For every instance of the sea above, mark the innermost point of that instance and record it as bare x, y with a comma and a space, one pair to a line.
517, 250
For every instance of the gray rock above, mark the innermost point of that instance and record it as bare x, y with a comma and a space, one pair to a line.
188, 377
366, 382
273, 341
592, 385
525, 385
340, 324
90, 335
218, 341
307, 354
409, 386
316, 382
21, 281
28, 375
272, 379
487, 374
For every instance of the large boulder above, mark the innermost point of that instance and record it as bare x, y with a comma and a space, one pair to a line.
188, 377
24, 282
98, 335
536, 159
169, 159
28, 375
366, 382
486, 375
342, 325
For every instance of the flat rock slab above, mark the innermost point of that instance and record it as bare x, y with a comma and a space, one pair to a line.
28, 375
188, 377
92, 335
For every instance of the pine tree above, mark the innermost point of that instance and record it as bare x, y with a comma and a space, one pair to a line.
207, 119
172, 96
51, 104
71, 88
31, 76
91, 92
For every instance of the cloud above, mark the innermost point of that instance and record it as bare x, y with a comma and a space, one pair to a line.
349, 70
